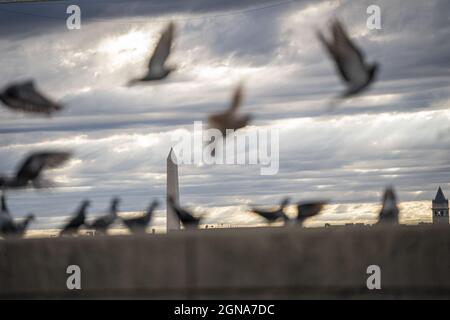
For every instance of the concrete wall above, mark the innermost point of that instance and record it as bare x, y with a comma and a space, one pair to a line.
234, 263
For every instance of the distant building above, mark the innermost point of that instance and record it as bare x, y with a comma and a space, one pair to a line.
440, 208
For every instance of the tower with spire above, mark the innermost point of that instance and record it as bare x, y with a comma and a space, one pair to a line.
440, 208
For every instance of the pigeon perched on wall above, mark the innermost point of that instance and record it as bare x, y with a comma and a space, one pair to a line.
186, 217
8, 227
139, 224
24, 97
22, 226
6, 221
306, 210
31, 169
230, 119
274, 215
157, 68
102, 224
77, 220
389, 212
4, 206
349, 60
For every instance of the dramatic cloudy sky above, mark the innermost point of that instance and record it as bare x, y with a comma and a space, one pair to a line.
395, 134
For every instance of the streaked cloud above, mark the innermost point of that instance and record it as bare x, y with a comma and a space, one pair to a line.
396, 134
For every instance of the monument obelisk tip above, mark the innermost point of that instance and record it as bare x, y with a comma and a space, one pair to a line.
173, 223
172, 156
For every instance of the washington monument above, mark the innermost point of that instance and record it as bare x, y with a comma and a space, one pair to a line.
173, 223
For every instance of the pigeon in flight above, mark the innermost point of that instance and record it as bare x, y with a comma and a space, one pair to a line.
24, 96
139, 224
77, 220
188, 220
157, 70
356, 73
101, 224
230, 119
389, 212
306, 210
274, 215
31, 169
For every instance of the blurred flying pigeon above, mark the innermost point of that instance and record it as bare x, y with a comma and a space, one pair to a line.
139, 224
77, 220
157, 70
273, 215
306, 210
101, 224
25, 97
356, 73
188, 220
230, 119
389, 212
31, 169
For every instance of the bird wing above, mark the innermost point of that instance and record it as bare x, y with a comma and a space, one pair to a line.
349, 59
186, 216
219, 121
36, 162
75, 222
269, 215
101, 222
145, 218
237, 99
241, 122
306, 210
132, 221
24, 96
162, 50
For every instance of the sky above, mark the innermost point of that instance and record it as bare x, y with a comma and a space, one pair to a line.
397, 133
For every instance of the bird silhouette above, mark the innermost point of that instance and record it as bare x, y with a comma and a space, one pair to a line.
389, 212
157, 70
186, 217
24, 97
349, 60
6, 222
274, 215
306, 210
8, 227
22, 226
77, 220
31, 169
102, 224
139, 224
230, 119
4, 206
